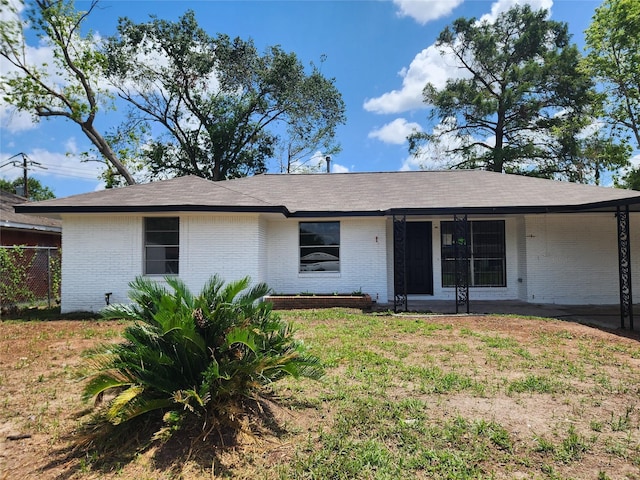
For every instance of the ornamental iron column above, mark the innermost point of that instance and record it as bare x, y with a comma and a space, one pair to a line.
461, 249
400, 263
624, 266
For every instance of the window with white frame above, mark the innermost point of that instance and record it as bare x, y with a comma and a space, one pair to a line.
487, 257
161, 245
319, 247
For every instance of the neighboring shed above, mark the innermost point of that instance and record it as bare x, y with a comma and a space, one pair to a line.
449, 235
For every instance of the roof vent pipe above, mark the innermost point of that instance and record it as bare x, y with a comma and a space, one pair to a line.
328, 160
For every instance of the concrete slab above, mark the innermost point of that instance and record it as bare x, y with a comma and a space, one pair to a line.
601, 316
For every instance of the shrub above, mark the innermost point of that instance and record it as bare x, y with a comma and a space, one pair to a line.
187, 354
15, 263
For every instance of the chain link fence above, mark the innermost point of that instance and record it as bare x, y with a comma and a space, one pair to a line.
29, 276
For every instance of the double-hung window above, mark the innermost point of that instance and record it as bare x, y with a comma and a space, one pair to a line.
161, 245
487, 259
319, 247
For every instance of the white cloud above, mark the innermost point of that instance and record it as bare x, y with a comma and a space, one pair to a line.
395, 132
337, 168
428, 66
411, 163
502, 6
11, 10
71, 146
432, 65
635, 161
58, 165
14, 120
423, 11
436, 155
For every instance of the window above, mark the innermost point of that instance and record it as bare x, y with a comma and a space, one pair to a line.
161, 245
486, 254
319, 246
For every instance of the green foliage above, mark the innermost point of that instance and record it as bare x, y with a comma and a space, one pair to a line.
14, 268
55, 267
195, 354
613, 42
536, 384
70, 87
573, 447
630, 179
224, 107
37, 191
522, 104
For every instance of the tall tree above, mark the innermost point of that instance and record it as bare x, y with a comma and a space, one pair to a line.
37, 191
613, 41
629, 179
70, 89
222, 106
521, 104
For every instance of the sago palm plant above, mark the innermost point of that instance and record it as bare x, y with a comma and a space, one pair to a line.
188, 353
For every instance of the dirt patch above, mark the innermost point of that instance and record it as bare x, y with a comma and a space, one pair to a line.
41, 370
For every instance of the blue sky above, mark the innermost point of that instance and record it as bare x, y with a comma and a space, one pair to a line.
380, 53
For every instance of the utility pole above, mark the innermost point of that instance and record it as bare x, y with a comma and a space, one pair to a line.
26, 163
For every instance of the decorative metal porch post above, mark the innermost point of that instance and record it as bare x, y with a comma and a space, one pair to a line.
400, 263
624, 265
461, 248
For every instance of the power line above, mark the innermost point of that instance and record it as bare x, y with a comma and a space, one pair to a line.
26, 163
65, 171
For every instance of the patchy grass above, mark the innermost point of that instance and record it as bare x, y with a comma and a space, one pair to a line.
432, 397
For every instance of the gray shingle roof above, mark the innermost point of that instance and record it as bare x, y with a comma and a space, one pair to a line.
10, 219
349, 193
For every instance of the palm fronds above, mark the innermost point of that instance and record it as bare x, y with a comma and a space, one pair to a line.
194, 353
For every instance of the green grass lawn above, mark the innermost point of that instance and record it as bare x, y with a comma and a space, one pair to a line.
403, 397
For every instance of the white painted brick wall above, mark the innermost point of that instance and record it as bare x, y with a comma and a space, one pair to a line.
521, 248
100, 254
573, 259
224, 244
560, 258
262, 250
363, 264
104, 253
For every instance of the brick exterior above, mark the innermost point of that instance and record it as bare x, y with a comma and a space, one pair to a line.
103, 253
573, 258
549, 258
290, 302
30, 237
362, 260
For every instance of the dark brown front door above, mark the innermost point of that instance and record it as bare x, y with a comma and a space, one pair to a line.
419, 258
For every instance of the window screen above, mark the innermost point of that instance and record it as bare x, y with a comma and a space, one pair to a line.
487, 263
161, 245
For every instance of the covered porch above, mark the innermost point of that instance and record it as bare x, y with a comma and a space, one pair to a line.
608, 315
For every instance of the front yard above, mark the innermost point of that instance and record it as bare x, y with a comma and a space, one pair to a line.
404, 397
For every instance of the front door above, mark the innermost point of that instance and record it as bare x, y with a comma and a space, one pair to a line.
419, 266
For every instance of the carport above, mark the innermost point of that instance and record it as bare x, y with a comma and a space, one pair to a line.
621, 208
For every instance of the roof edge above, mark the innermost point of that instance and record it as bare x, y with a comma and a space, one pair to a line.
43, 209
29, 226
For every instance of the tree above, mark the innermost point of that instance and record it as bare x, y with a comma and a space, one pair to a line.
195, 355
37, 191
521, 106
70, 87
613, 41
630, 179
223, 107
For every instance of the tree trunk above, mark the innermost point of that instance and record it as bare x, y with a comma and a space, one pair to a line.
106, 151
498, 157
